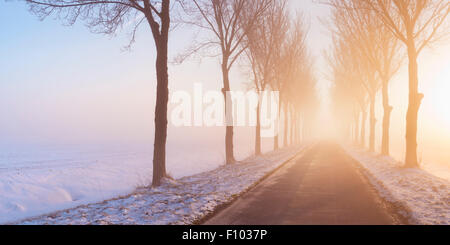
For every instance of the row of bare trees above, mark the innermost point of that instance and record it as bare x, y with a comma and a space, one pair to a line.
368, 37
277, 53
260, 30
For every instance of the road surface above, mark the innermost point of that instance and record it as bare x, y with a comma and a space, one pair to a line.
321, 187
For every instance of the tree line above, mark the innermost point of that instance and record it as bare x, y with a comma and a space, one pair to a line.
371, 40
261, 34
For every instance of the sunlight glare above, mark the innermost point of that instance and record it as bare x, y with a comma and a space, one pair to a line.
441, 97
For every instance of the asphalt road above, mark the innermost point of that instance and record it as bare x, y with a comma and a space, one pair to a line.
323, 186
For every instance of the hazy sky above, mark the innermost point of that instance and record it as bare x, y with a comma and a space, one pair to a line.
65, 83
58, 80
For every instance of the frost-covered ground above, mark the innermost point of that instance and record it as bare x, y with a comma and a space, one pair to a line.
425, 196
180, 201
39, 178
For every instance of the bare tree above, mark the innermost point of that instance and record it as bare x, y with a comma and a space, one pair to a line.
278, 81
259, 42
229, 21
378, 46
267, 36
416, 23
349, 93
367, 77
278, 57
259, 83
107, 17
302, 96
294, 70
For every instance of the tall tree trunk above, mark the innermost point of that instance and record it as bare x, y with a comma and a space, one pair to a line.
258, 130
161, 38
356, 129
286, 124
276, 145
229, 153
299, 128
305, 128
349, 130
386, 118
162, 98
293, 126
372, 124
415, 99
363, 128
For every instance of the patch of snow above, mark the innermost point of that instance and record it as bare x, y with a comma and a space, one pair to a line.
425, 196
179, 201
42, 178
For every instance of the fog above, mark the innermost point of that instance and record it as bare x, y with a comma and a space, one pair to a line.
71, 93
434, 123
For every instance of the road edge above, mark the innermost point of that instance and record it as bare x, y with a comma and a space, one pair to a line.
235, 198
399, 212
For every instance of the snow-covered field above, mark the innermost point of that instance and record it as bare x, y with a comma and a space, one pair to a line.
38, 178
180, 201
425, 196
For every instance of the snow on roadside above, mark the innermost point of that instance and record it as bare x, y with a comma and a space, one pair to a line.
180, 201
425, 196
36, 179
